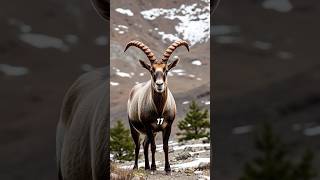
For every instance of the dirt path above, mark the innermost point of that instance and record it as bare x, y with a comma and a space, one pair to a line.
161, 175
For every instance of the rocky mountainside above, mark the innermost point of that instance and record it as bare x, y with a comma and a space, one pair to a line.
189, 160
157, 25
266, 68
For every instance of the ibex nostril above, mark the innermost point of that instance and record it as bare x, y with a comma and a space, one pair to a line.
159, 83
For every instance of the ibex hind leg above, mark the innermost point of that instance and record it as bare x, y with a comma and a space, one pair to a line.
136, 138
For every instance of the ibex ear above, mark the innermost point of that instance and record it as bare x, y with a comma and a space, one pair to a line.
173, 64
145, 65
102, 7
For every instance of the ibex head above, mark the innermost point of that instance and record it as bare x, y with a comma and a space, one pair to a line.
158, 68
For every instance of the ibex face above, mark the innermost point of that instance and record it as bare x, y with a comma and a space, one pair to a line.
158, 68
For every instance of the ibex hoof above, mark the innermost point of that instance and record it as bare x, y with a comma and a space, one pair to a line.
153, 167
168, 170
168, 173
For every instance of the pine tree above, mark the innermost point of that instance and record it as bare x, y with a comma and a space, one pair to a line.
121, 145
195, 125
304, 170
273, 164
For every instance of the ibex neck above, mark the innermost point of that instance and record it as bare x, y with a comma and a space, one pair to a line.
159, 100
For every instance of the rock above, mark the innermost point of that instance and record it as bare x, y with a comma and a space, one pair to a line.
198, 172
205, 140
203, 165
114, 176
183, 156
202, 177
188, 171
170, 150
137, 178
188, 149
173, 160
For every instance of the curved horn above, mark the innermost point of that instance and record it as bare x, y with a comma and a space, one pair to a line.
144, 48
102, 7
172, 47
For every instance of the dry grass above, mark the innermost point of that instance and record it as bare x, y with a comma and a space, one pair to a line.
126, 174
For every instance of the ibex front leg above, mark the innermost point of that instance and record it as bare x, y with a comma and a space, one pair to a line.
148, 140
166, 136
153, 151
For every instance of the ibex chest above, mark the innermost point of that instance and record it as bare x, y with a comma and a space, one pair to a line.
158, 121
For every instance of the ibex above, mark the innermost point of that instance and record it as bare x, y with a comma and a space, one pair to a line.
151, 106
82, 131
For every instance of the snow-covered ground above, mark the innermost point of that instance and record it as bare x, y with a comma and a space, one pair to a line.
191, 158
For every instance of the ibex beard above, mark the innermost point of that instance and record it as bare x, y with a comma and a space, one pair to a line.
151, 106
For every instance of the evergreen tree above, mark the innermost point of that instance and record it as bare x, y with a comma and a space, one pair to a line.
121, 145
304, 170
195, 125
273, 164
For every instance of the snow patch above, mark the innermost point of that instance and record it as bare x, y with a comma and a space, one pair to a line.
196, 62
127, 12
101, 40
278, 5
194, 25
197, 152
242, 129
262, 45
123, 74
177, 71
71, 38
185, 102
24, 28
202, 177
285, 55
312, 131
43, 41
169, 37
219, 30
191, 145
228, 39
114, 83
140, 164
192, 164
206, 102
10, 70
121, 29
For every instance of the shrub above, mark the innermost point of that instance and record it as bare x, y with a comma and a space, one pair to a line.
195, 125
121, 145
272, 164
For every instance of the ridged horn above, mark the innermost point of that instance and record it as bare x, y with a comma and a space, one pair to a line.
144, 48
173, 47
